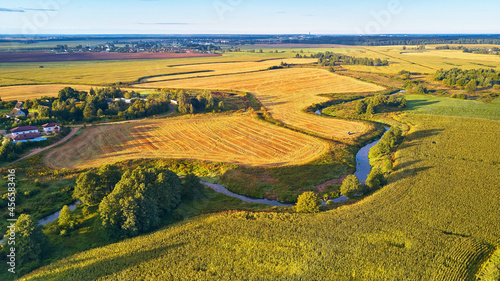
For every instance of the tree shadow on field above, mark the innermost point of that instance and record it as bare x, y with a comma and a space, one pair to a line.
423, 134
102, 268
404, 165
417, 104
407, 172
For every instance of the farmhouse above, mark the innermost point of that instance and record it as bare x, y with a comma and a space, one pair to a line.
18, 112
51, 128
23, 130
28, 137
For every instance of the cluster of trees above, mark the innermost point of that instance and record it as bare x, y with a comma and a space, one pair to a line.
203, 102
31, 245
332, 59
75, 106
468, 79
8, 150
380, 154
369, 105
137, 200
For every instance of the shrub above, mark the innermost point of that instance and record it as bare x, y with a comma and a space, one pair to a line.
308, 202
351, 186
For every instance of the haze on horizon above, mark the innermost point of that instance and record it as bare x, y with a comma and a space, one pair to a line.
249, 17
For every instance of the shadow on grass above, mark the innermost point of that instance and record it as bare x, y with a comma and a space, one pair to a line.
107, 266
423, 134
417, 104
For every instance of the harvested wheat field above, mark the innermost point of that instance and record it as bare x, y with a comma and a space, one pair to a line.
286, 92
223, 68
237, 139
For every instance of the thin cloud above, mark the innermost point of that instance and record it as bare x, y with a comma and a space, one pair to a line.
44, 10
165, 23
11, 10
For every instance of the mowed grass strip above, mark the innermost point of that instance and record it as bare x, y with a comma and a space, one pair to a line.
237, 139
286, 92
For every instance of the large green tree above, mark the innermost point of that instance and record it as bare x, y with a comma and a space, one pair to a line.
31, 242
351, 186
308, 202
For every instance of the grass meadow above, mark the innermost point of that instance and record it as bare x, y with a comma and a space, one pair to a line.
435, 220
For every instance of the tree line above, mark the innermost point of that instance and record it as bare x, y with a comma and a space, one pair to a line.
369, 105
468, 79
332, 59
198, 102
79, 106
375, 40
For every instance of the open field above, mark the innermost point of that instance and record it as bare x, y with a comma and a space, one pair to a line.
103, 72
91, 56
25, 92
437, 219
286, 92
426, 104
236, 139
427, 61
215, 69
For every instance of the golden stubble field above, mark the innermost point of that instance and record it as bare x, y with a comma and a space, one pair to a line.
427, 61
231, 139
223, 68
287, 92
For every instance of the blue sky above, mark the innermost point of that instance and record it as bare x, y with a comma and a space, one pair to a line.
248, 17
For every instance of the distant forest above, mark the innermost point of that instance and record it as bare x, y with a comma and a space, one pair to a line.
380, 40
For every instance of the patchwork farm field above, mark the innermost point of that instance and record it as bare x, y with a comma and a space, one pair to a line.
437, 219
286, 92
103, 72
216, 69
236, 139
426, 62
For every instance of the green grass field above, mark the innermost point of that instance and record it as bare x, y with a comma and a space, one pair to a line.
425, 104
437, 219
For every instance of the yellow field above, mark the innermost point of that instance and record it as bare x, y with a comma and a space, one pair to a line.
100, 72
427, 61
286, 92
25, 92
237, 139
227, 68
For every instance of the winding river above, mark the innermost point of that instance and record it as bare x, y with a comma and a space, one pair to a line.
363, 168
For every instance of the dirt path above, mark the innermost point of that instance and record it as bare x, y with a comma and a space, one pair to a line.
76, 128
